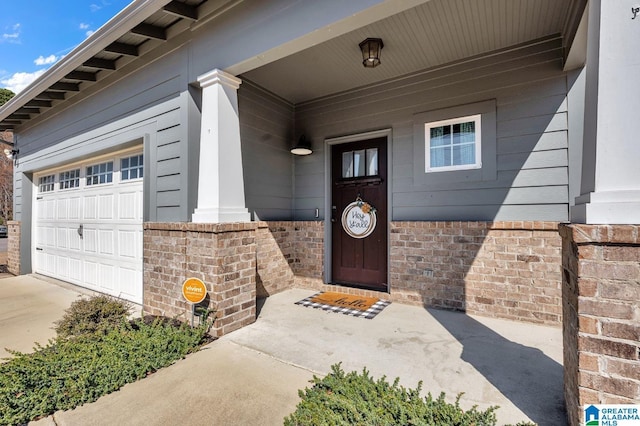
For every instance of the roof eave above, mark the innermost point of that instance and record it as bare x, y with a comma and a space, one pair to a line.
136, 12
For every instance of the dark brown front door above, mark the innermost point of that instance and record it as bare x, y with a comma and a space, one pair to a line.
359, 175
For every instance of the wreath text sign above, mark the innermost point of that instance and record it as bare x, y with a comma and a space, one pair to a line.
359, 219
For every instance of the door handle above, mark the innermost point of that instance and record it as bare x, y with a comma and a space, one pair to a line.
334, 211
81, 230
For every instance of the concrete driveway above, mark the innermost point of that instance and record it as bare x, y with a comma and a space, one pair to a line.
251, 376
28, 308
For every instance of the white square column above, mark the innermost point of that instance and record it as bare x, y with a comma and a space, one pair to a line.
610, 187
220, 180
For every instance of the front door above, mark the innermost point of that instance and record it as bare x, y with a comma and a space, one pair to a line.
359, 214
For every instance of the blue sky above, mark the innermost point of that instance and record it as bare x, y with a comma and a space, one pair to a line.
34, 34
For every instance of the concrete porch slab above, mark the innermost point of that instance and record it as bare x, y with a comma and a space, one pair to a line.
252, 375
514, 365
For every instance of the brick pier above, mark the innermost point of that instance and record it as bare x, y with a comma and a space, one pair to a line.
13, 247
601, 309
223, 256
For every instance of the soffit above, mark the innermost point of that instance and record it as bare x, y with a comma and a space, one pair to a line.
432, 34
143, 26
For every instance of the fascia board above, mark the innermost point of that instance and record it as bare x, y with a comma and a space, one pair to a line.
116, 27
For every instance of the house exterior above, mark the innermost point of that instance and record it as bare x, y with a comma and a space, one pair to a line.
484, 165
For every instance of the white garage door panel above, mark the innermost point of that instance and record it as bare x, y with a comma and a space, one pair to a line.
105, 242
63, 242
127, 276
74, 208
90, 207
106, 278
92, 235
91, 273
105, 206
50, 209
62, 266
75, 270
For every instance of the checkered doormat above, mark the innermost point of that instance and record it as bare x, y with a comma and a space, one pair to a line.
374, 310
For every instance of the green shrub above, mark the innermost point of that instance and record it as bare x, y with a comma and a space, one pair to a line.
358, 399
97, 313
70, 372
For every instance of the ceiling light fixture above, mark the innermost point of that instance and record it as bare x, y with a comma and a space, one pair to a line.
371, 48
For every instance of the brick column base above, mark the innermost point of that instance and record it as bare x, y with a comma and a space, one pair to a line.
13, 247
601, 316
223, 256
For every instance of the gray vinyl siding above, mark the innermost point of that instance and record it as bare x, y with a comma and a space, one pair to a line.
169, 168
266, 127
150, 108
531, 150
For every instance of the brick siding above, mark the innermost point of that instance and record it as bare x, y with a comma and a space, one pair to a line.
500, 269
601, 315
13, 247
290, 254
223, 256
308, 260
275, 248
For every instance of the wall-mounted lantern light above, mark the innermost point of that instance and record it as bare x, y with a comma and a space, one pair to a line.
11, 153
371, 48
303, 147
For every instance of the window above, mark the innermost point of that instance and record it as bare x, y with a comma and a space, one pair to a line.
453, 144
131, 168
483, 114
70, 179
46, 183
360, 163
100, 173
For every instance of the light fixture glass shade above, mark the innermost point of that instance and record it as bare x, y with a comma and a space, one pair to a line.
10, 153
303, 147
371, 49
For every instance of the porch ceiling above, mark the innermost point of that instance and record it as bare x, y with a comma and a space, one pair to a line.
435, 33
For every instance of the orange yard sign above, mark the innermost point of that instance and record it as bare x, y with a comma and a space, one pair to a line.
194, 290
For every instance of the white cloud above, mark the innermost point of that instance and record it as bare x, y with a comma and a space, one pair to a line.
13, 36
84, 26
94, 7
18, 81
41, 60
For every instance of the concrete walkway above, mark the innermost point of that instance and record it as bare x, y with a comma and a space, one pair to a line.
251, 377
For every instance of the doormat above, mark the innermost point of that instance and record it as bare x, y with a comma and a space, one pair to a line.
357, 306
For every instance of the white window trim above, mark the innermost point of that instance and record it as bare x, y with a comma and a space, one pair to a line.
61, 180
82, 165
477, 118
88, 175
45, 186
139, 167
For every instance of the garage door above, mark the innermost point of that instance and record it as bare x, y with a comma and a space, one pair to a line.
88, 224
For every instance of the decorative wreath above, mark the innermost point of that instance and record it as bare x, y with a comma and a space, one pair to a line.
364, 206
